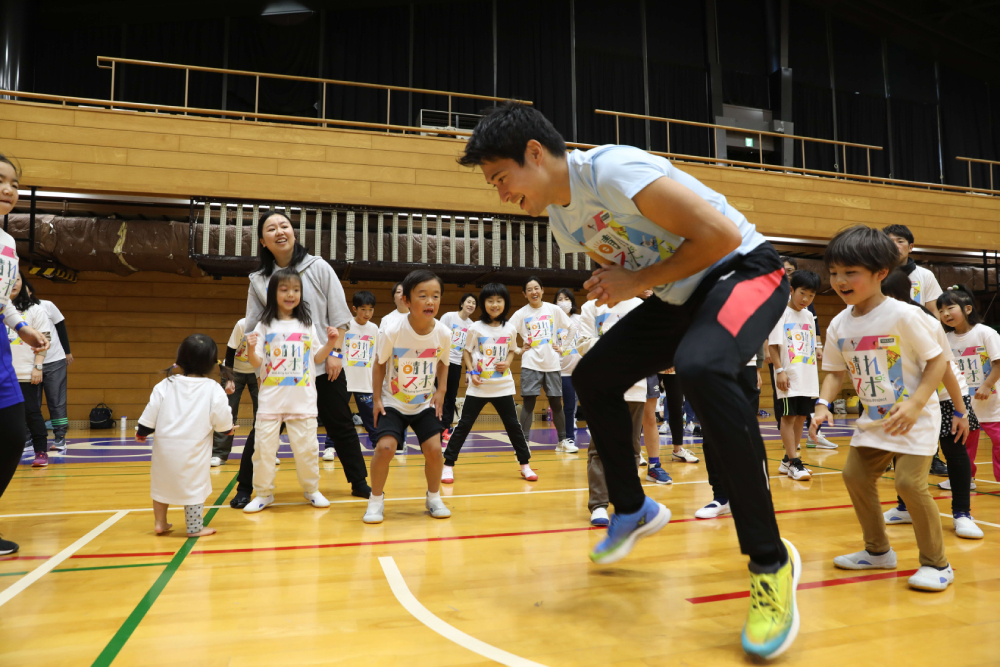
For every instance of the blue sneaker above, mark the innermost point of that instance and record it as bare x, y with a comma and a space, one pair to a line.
658, 474
625, 529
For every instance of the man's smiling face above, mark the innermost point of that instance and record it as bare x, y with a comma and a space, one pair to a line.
524, 185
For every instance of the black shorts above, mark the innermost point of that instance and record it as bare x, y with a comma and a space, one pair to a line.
425, 425
794, 406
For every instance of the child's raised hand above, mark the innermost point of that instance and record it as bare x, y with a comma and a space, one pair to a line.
252, 339
902, 417
332, 333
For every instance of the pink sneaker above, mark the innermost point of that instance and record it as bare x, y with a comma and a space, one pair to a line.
531, 478
41, 460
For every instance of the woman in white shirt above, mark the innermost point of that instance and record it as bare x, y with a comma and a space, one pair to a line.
568, 359
458, 324
28, 365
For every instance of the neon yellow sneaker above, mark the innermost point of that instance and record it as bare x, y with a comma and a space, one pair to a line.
773, 621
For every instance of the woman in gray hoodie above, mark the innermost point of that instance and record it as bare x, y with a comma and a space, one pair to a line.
322, 291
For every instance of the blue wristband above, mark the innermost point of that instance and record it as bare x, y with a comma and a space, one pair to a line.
337, 355
956, 413
21, 325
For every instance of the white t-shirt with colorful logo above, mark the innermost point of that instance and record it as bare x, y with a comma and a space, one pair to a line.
924, 286
538, 328
359, 356
885, 352
21, 355
595, 321
459, 331
570, 356
795, 334
975, 352
487, 344
288, 385
238, 341
411, 364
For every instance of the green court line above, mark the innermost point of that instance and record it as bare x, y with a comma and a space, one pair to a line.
117, 643
96, 567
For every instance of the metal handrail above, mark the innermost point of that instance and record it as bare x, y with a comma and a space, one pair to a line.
970, 160
760, 134
290, 77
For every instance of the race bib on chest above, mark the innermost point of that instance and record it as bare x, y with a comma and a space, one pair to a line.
491, 351
413, 374
801, 344
974, 364
288, 359
8, 272
360, 350
458, 335
876, 367
625, 246
539, 330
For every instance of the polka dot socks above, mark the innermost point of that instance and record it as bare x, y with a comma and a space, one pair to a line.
193, 517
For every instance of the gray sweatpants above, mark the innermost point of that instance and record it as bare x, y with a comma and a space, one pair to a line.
595, 468
54, 386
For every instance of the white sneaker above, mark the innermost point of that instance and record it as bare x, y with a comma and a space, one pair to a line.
436, 507
567, 446
783, 468
642, 461
599, 517
329, 454
966, 527
823, 443
896, 515
862, 560
684, 455
946, 485
317, 499
930, 578
258, 503
712, 510
797, 471
216, 461
374, 512
664, 428
277, 461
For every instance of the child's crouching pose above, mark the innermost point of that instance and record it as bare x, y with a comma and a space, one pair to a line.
186, 411
896, 363
412, 353
282, 348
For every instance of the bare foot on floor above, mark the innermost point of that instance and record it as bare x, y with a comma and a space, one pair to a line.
204, 532
163, 528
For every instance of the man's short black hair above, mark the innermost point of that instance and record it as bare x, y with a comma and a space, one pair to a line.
363, 298
806, 280
414, 278
862, 246
902, 231
504, 132
785, 259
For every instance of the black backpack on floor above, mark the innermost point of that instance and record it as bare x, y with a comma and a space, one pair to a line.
100, 417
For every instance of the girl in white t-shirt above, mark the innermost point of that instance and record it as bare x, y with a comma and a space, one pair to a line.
488, 353
281, 348
569, 358
458, 323
185, 411
977, 350
28, 366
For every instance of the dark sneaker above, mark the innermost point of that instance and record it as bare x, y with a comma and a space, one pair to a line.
7, 547
239, 501
938, 467
361, 490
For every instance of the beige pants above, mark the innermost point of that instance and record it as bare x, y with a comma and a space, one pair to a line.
305, 447
595, 468
864, 467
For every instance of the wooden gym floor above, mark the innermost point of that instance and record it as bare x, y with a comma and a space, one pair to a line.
506, 579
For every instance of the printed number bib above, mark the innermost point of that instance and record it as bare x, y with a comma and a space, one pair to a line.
458, 335
491, 351
539, 330
360, 350
801, 344
876, 367
8, 272
625, 246
288, 359
974, 364
413, 374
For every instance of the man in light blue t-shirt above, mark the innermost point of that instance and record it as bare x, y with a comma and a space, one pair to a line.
721, 289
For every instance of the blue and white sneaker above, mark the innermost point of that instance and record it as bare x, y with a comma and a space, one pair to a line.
625, 529
658, 474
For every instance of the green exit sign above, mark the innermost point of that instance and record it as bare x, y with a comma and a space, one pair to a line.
749, 142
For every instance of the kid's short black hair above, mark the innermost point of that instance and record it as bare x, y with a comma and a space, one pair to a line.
805, 280
785, 259
414, 278
504, 132
902, 231
363, 298
862, 246
494, 289
197, 355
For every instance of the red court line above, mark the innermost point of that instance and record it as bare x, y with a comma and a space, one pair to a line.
813, 584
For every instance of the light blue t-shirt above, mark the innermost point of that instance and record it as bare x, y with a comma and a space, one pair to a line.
602, 217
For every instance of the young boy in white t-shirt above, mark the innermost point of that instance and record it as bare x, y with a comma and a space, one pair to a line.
359, 356
896, 364
412, 354
792, 348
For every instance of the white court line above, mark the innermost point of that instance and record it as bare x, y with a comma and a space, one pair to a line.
451, 633
985, 523
8, 594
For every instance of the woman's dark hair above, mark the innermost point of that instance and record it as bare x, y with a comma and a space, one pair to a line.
267, 257
300, 312
467, 295
862, 246
568, 293
26, 298
504, 132
363, 298
897, 286
805, 280
494, 289
396, 287
197, 354
10, 161
414, 278
902, 231
961, 296
531, 279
